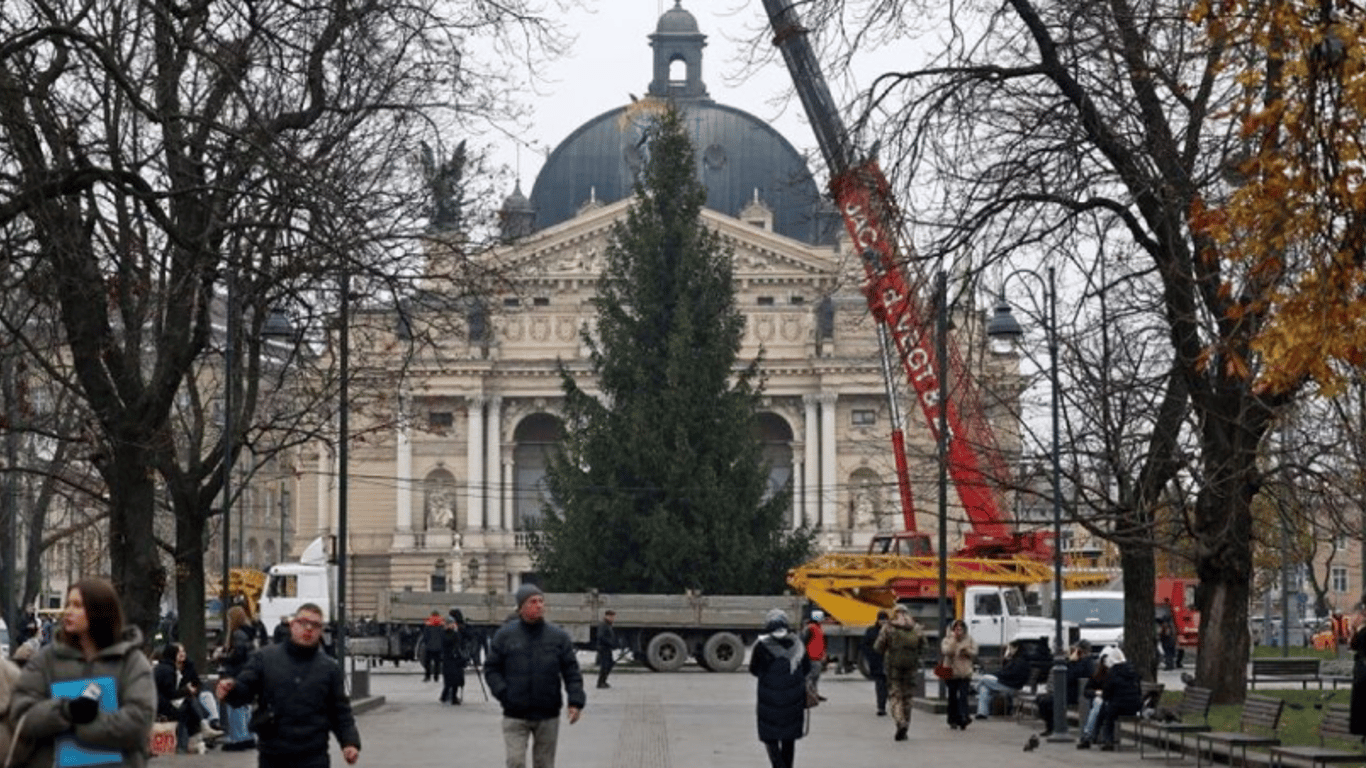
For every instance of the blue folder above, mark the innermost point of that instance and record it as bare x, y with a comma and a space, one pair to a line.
71, 751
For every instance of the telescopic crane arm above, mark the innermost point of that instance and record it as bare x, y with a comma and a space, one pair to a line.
864, 199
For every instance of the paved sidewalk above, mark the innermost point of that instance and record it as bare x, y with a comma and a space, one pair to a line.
688, 719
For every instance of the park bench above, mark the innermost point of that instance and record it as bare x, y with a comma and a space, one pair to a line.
1193, 709
1335, 727
1294, 669
1150, 696
1257, 727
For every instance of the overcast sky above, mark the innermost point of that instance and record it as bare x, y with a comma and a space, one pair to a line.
612, 59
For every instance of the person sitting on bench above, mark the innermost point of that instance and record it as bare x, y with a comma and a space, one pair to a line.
1120, 694
1081, 665
1013, 675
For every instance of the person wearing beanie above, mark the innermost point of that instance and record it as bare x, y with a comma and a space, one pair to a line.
900, 644
874, 659
1121, 693
814, 636
529, 660
780, 662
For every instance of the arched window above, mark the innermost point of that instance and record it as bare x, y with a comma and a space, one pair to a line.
678, 71
439, 510
535, 438
776, 436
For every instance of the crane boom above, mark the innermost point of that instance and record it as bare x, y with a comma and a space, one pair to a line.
893, 293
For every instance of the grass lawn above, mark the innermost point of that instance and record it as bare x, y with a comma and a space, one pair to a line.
1299, 721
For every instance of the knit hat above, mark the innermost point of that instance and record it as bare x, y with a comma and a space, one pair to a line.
525, 591
902, 608
1111, 656
775, 622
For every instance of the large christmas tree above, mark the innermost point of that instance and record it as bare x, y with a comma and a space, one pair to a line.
659, 485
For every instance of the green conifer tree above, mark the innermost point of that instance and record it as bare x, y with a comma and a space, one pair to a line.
660, 485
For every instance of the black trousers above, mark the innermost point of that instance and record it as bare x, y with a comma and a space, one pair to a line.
782, 754
957, 689
265, 760
605, 664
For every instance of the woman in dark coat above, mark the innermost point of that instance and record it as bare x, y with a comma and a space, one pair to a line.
178, 687
780, 662
1358, 646
452, 662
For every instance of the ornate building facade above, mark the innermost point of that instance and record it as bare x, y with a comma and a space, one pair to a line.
450, 496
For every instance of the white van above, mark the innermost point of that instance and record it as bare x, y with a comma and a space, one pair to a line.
1099, 613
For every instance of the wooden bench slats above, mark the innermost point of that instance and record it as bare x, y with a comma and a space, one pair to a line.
1336, 724
1257, 727
1194, 711
1294, 669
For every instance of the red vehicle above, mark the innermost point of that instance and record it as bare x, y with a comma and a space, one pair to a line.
1180, 592
897, 300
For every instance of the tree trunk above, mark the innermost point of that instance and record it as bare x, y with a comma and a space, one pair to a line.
1223, 530
1140, 621
190, 583
137, 572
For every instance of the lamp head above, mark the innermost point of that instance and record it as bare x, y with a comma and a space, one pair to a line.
1003, 324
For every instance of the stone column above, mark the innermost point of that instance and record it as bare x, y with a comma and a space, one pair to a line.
798, 490
326, 482
493, 467
505, 496
828, 513
403, 487
474, 464
810, 486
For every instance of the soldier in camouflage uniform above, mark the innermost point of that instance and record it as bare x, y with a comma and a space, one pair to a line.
900, 644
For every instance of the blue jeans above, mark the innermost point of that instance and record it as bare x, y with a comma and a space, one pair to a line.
987, 686
234, 722
1088, 732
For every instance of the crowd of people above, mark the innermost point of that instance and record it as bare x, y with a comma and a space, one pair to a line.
93, 683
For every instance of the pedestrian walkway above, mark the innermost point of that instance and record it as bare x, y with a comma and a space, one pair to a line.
688, 719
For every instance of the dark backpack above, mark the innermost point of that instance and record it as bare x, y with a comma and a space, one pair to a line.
903, 649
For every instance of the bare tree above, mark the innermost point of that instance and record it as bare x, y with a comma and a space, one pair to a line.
1030, 129
154, 154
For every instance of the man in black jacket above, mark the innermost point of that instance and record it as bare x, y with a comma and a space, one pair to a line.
875, 667
301, 697
606, 644
528, 660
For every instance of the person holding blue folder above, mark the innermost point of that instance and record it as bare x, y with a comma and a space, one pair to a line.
88, 698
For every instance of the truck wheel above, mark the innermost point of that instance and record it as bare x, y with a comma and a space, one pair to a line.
666, 652
723, 652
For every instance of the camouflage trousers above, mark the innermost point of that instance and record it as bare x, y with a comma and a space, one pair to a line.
901, 690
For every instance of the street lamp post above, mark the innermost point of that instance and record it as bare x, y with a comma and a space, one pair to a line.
343, 457
1004, 326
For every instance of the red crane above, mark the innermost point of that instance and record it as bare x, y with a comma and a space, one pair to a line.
894, 293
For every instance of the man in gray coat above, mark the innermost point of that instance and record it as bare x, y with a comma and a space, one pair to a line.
528, 660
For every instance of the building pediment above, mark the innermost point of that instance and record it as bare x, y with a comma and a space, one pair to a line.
574, 250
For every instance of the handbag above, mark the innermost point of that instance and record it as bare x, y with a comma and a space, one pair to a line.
813, 699
943, 671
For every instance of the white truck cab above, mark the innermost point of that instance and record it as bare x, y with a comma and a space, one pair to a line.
290, 585
996, 615
1098, 614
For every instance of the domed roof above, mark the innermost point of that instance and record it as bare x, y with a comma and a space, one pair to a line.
740, 158
676, 20
517, 201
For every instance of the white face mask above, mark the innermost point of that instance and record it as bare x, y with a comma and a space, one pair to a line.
780, 632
